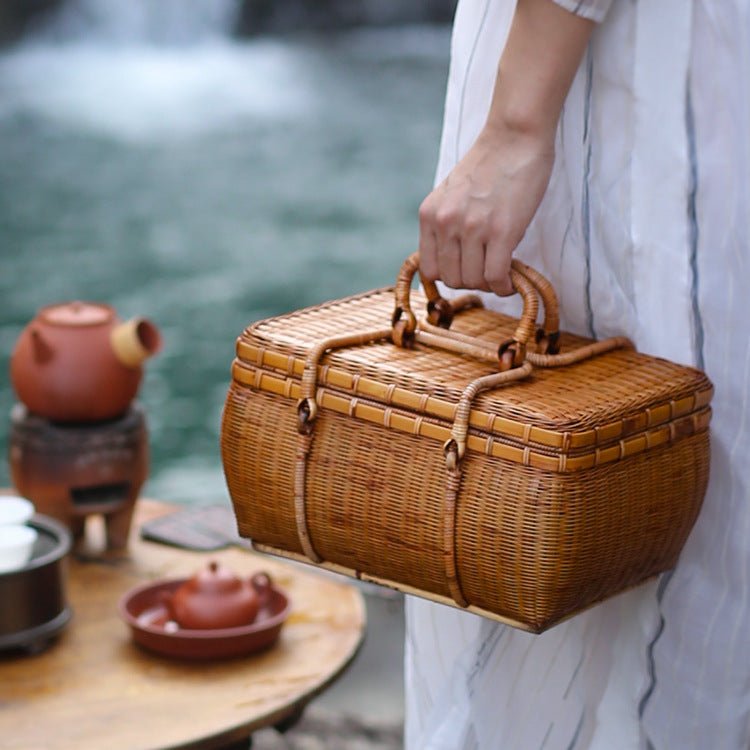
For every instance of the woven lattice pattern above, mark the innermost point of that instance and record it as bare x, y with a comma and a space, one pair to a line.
614, 386
534, 532
532, 546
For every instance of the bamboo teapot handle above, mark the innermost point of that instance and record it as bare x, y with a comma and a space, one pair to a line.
529, 283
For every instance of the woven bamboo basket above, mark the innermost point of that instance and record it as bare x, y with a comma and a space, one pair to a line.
523, 482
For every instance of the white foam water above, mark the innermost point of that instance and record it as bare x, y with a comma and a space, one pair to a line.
162, 22
142, 92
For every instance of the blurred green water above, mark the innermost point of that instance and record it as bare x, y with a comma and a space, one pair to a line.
226, 185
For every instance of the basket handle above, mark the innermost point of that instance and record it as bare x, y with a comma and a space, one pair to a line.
529, 283
548, 337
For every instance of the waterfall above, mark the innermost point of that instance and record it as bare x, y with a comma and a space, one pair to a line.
165, 70
149, 70
158, 22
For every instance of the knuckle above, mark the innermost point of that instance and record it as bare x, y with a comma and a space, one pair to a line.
475, 224
446, 218
426, 212
501, 232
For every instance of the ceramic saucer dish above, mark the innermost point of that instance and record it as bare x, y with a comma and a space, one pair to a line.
145, 610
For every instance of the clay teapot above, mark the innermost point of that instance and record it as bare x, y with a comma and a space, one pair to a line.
217, 598
77, 362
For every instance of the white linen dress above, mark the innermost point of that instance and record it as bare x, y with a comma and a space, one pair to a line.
644, 232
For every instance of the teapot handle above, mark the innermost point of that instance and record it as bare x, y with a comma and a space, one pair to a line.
263, 585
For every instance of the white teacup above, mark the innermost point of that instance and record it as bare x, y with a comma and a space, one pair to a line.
16, 546
15, 509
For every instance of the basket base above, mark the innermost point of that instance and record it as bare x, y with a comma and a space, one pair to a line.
404, 589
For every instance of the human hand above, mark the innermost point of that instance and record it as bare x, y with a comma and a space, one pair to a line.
471, 223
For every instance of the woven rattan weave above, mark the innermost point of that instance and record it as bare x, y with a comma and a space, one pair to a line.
514, 481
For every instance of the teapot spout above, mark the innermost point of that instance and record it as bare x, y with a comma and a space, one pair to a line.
134, 341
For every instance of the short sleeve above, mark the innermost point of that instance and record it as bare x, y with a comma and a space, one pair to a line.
594, 10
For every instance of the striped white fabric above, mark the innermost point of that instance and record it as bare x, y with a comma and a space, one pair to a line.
593, 9
645, 232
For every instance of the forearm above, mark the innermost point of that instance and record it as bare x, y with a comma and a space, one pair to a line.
472, 222
543, 51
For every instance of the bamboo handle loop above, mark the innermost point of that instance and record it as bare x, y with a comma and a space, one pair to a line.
548, 337
440, 313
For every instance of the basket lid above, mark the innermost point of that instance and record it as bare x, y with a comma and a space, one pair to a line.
581, 406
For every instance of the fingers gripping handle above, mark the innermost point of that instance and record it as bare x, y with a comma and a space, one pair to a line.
527, 282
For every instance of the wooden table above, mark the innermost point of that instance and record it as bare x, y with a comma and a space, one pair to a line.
94, 688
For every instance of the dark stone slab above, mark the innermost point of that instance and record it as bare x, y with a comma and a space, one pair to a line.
325, 731
17, 16
264, 16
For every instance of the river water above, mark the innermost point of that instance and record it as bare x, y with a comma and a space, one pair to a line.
207, 183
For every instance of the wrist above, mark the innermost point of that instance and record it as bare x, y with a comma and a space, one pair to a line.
521, 117
526, 135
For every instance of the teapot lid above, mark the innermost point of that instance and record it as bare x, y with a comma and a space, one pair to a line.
77, 314
214, 579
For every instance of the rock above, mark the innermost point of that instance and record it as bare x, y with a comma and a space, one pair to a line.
263, 16
16, 16
323, 730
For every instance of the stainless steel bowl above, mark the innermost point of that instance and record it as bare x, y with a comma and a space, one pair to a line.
33, 605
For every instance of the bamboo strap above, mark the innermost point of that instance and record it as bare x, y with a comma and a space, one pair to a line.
456, 444
310, 373
437, 339
304, 443
578, 355
452, 486
454, 450
467, 344
459, 342
455, 447
307, 411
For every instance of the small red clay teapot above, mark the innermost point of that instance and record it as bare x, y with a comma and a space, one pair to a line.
77, 362
217, 598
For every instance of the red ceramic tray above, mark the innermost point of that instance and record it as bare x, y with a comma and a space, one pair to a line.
143, 609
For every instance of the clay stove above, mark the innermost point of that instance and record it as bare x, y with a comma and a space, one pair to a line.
72, 470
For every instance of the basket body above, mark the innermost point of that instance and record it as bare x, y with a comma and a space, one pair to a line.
576, 484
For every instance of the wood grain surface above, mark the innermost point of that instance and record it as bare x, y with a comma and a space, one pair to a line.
94, 688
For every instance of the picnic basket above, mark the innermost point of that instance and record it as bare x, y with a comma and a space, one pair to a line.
524, 481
